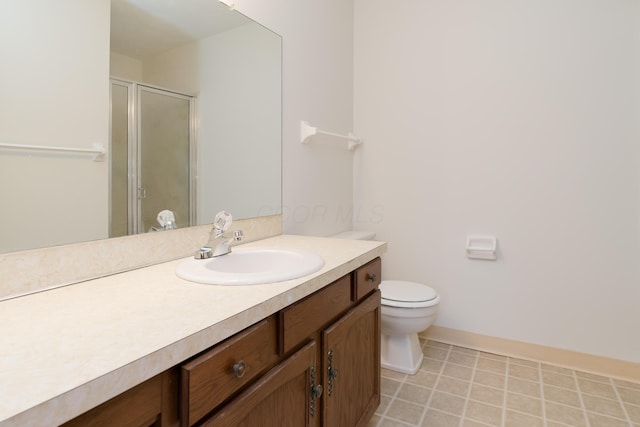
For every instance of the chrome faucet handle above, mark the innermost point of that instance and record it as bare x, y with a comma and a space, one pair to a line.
237, 235
219, 242
222, 221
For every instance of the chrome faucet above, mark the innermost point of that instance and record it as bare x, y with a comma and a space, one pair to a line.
219, 242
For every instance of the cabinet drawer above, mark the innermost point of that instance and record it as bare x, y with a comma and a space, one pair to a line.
138, 406
282, 397
305, 317
214, 376
367, 278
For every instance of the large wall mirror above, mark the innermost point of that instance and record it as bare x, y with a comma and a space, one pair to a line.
185, 97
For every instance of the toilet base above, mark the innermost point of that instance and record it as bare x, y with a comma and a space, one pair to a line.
401, 353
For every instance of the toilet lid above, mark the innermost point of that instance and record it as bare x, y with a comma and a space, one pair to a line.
398, 293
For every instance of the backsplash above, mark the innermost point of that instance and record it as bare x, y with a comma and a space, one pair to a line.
36, 270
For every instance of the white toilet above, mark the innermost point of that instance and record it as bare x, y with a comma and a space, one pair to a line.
407, 309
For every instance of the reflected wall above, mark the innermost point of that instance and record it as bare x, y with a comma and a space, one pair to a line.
57, 97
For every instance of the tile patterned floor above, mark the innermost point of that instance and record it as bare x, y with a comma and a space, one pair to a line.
467, 388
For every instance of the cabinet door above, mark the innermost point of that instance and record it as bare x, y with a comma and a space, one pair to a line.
281, 398
351, 362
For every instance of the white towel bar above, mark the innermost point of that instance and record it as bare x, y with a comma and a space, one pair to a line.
307, 131
98, 149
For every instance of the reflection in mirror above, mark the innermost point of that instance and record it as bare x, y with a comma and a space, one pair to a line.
154, 169
55, 82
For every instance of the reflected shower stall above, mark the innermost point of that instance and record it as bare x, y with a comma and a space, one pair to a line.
152, 155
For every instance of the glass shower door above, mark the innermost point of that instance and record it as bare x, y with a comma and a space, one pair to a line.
164, 157
152, 158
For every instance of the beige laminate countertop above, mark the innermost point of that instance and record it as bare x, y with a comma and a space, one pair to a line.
66, 350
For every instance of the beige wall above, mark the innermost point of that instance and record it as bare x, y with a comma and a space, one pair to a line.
517, 119
125, 67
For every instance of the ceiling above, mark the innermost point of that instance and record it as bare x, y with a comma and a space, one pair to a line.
159, 25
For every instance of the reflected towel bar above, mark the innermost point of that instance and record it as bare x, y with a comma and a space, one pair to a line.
98, 149
307, 131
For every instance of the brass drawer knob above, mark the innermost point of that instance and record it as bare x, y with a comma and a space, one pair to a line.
371, 277
239, 369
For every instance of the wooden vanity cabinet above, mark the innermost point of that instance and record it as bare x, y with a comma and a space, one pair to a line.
328, 373
284, 397
151, 403
302, 319
314, 363
351, 354
209, 379
351, 361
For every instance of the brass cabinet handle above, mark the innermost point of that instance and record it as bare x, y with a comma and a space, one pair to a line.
371, 277
239, 369
316, 391
332, 373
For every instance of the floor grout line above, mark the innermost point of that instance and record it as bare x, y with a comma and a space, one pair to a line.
584, 409
435, 385
542, 399
624, 408
466, 402
392, 398
505, 391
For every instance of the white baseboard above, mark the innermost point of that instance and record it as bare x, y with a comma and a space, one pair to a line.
599, 365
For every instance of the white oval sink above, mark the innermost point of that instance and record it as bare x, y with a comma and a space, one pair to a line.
250, 266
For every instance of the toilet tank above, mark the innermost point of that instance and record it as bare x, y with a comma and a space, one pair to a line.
355, 235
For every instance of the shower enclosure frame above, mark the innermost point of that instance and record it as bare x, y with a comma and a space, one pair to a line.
135, 190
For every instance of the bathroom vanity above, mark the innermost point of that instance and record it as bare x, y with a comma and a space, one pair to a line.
168, 352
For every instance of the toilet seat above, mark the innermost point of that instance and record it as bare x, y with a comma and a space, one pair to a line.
398, 293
